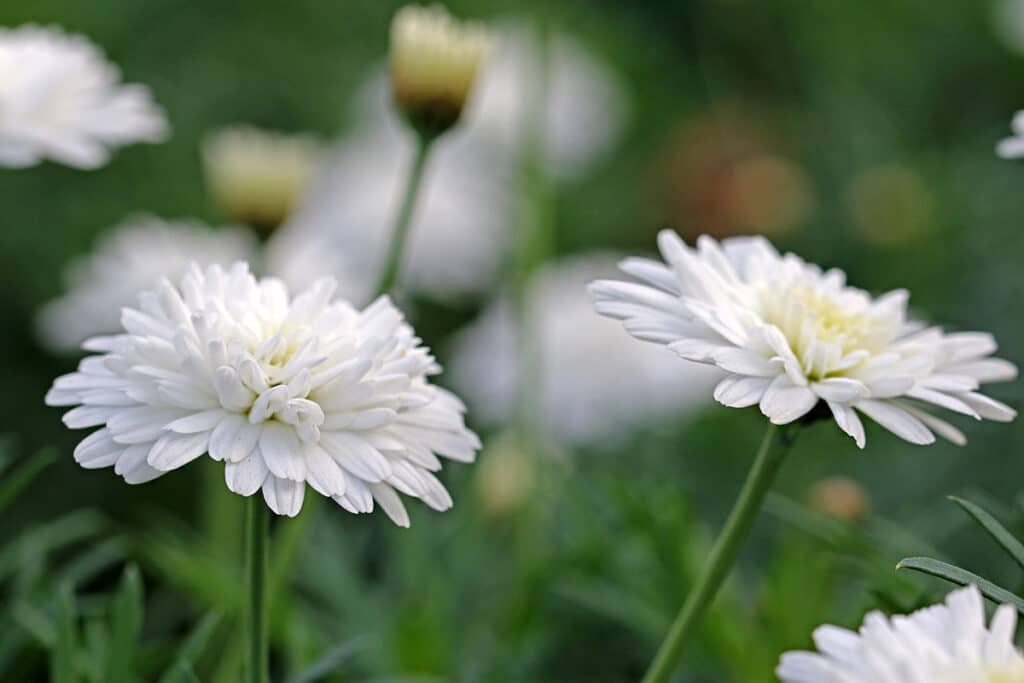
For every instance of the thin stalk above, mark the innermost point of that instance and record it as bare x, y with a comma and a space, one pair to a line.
258, 654
723, 555
399, 234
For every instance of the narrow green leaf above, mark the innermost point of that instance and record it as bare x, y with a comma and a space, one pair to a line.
962, 577
193, 647
125, 628
182, 673
15, 482
62, 660
994, 528
330, 661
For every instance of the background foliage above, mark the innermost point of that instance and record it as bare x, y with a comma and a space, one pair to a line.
579, 582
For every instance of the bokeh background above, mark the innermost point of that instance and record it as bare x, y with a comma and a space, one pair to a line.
859, 135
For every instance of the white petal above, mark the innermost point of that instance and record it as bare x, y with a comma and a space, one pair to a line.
283, 452
171, 451
391, 503
740, 392
784, 401
847, 419
284, 496
896, 420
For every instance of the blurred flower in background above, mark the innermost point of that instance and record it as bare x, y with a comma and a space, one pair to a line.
595, 384
506, 475
258, 177
127, 260
840, 497
60, 99
284, 391
890, 205
1013, 147
722, 175
1008, 23
947, 643
434, 65
791, 336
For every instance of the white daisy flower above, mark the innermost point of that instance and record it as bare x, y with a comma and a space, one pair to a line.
1013, 147
284, 391
258, 177
128, 259
790, 336
595, 382
61, 99
947, 643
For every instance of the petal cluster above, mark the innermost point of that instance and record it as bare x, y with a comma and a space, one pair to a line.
283, 391
947, 643
791, 336
61, 99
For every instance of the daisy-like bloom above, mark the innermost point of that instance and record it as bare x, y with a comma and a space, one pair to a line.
60, 99
947, 643
258, 177
790, 336
129, 259
284, 391
434, 64
594, 382
1013, 147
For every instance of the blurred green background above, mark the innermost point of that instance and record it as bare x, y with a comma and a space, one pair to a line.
888, 111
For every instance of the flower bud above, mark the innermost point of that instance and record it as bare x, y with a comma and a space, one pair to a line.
841, 498
434, 63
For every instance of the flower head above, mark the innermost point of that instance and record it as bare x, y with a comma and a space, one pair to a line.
129, 259
790, 336
61, 99
283, 391
947, 643
1013, 146
259, 177
434, 64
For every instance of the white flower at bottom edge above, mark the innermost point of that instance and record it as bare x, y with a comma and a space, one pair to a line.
284, 391
1013, 147
947, 643
790, 335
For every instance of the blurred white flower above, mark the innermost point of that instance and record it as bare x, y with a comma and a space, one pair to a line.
460, 229
1013, 147
947, 643
596, 383
790, 335
1008, 23
434, 64
258, 177
284, 391
61, 99
128, 259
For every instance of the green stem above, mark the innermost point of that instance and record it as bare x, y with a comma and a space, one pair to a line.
256, 619
389, 278
723, 556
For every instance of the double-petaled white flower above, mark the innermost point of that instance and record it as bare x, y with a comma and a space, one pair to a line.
283, 391
129, 259
947, 643
258, 177
61, 99
790, 336
1013, 146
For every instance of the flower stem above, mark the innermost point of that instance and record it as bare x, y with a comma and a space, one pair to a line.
723, 555
256, 618
389, 278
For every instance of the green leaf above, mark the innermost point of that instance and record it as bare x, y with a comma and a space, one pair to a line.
995, 529
193, 647
62, 659
14, 483
330, 661
181, 673
962, 577
125, 628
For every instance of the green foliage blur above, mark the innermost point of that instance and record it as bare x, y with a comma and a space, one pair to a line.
890, 111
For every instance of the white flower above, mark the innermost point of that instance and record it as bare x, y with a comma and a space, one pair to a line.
595, 383
258, 177
947, 643
284, 391
344, 228
1013, 147
61, 99
790, 335
128, 259
434, 64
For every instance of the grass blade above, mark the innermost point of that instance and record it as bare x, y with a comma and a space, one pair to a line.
15, 483
995, 529
330, 661
62, 661
192, 648
125, 628
962, 577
